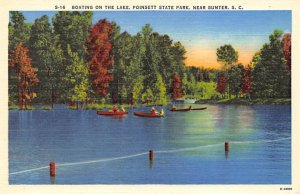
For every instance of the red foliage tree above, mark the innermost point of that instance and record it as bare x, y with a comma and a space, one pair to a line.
246, 88
287, 45
176, 87
26, 74
100, 60
222, 83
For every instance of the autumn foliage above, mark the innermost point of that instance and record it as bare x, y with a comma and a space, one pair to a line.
176, 87
286, 43
100, 60
246, 88
25, 72
222, 83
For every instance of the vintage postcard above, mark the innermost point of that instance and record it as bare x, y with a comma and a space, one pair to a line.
143, 96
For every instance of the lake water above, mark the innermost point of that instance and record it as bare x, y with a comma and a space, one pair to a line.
188, 146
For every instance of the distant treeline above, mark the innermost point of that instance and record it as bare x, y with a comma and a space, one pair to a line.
73, 60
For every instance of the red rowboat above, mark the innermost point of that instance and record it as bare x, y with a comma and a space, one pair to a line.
203, 108
111, 113
180, 109
145, 114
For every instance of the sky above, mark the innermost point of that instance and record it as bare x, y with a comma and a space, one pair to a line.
201, 32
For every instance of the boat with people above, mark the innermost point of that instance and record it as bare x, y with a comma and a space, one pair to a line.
153, 113
180, 109
114, 112
111, 113
147, 114
187, 109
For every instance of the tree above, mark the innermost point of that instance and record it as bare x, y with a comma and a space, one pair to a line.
271, 78
227, 56
287, 49
47, 56
178, 53
159, 90
185, 84
77, 78
124, 69
18, 30
147, 96
247, 81
176, 87
18, 33
100, 60
221, 84
235, 79
26, 74
137, 88
73, 29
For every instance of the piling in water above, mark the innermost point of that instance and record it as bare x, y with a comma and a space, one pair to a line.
226, 146
151, 155
52, 169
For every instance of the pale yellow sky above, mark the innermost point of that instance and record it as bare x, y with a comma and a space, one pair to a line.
206, 57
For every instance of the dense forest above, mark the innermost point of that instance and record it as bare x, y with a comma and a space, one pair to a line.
71, 60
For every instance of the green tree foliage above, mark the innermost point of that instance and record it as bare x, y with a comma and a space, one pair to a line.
159, 90
137, 89
18, 30
73, 29
270, 75
124, 69
235, 79
47, 56
227, 56
147, 96
77, 78
207, 90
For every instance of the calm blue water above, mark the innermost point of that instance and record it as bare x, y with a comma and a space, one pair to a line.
188, 146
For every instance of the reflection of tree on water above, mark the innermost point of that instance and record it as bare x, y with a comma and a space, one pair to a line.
233, 119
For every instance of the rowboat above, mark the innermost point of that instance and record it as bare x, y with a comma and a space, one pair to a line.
203, 108
180, 109
146, 114
111, 113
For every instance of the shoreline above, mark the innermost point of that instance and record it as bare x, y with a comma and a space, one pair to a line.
243, 101
234, 101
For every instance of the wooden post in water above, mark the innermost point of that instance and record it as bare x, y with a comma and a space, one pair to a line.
151, 155
226, 146
52, 169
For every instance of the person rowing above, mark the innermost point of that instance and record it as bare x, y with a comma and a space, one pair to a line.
154, 111
123, 109
162, 112
115, 109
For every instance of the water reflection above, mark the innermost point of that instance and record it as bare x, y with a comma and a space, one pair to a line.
37, 137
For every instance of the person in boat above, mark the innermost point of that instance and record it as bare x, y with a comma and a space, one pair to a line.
190, 107
115, 109
154, 111
123, 109
162, 112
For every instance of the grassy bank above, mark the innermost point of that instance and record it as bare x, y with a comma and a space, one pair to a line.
243, 101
